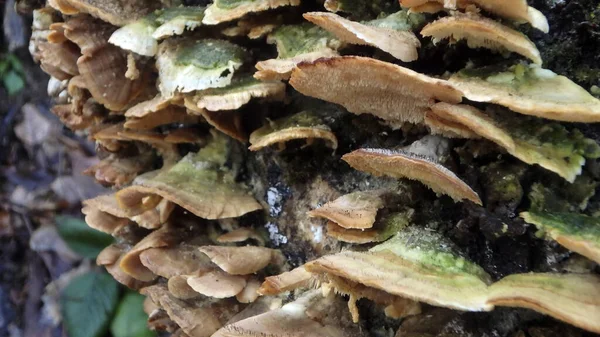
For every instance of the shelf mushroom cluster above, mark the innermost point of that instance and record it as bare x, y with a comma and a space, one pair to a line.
169, 93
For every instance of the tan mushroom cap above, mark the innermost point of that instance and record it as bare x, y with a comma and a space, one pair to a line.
156, 217
482, 32
131, 263
542, 93
576, 232
104, 74
250, 292
169, 115
400, 44
365, 85
241, 235
197, 318
169, 262
291, 133
116, 12
224, 99
59, 59
240, 260
88, 33
110, 257
215, 14
447, 128
407, 165
217, 284
311, 315
351, 235
119, 172
397, 276
178, 286
290, 280
63, 6
355, 210
228, 122
572, 298
281, 69
151, 106
103, 213
475, 121
430, 7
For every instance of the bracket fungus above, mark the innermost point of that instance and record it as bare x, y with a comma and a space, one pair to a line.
529, 90
415, 264
403, 164
303, 125
365, 85
227, 238
198, 182
238, 93
311, 315
185, 65
573, 298
227, 10
356, 210
295, 44
533, 141
577, 232
515, 10
482, 32
391, 34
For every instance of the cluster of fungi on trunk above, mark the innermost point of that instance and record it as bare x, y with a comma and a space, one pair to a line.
231, 157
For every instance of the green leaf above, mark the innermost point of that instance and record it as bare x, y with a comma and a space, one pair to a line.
130, 319
88, 303
13, 82
15, 63
82, 239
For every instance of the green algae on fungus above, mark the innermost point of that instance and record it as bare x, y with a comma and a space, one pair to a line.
303, 125
238, 93
532, 140
482, 32
185, 65
199, 183
141, 36
391, 34
296, 43
175, 20
137, 36
365, 85
577, 232
572, 298
431, 274
529, 90
228, 10
294, 40
432, 250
